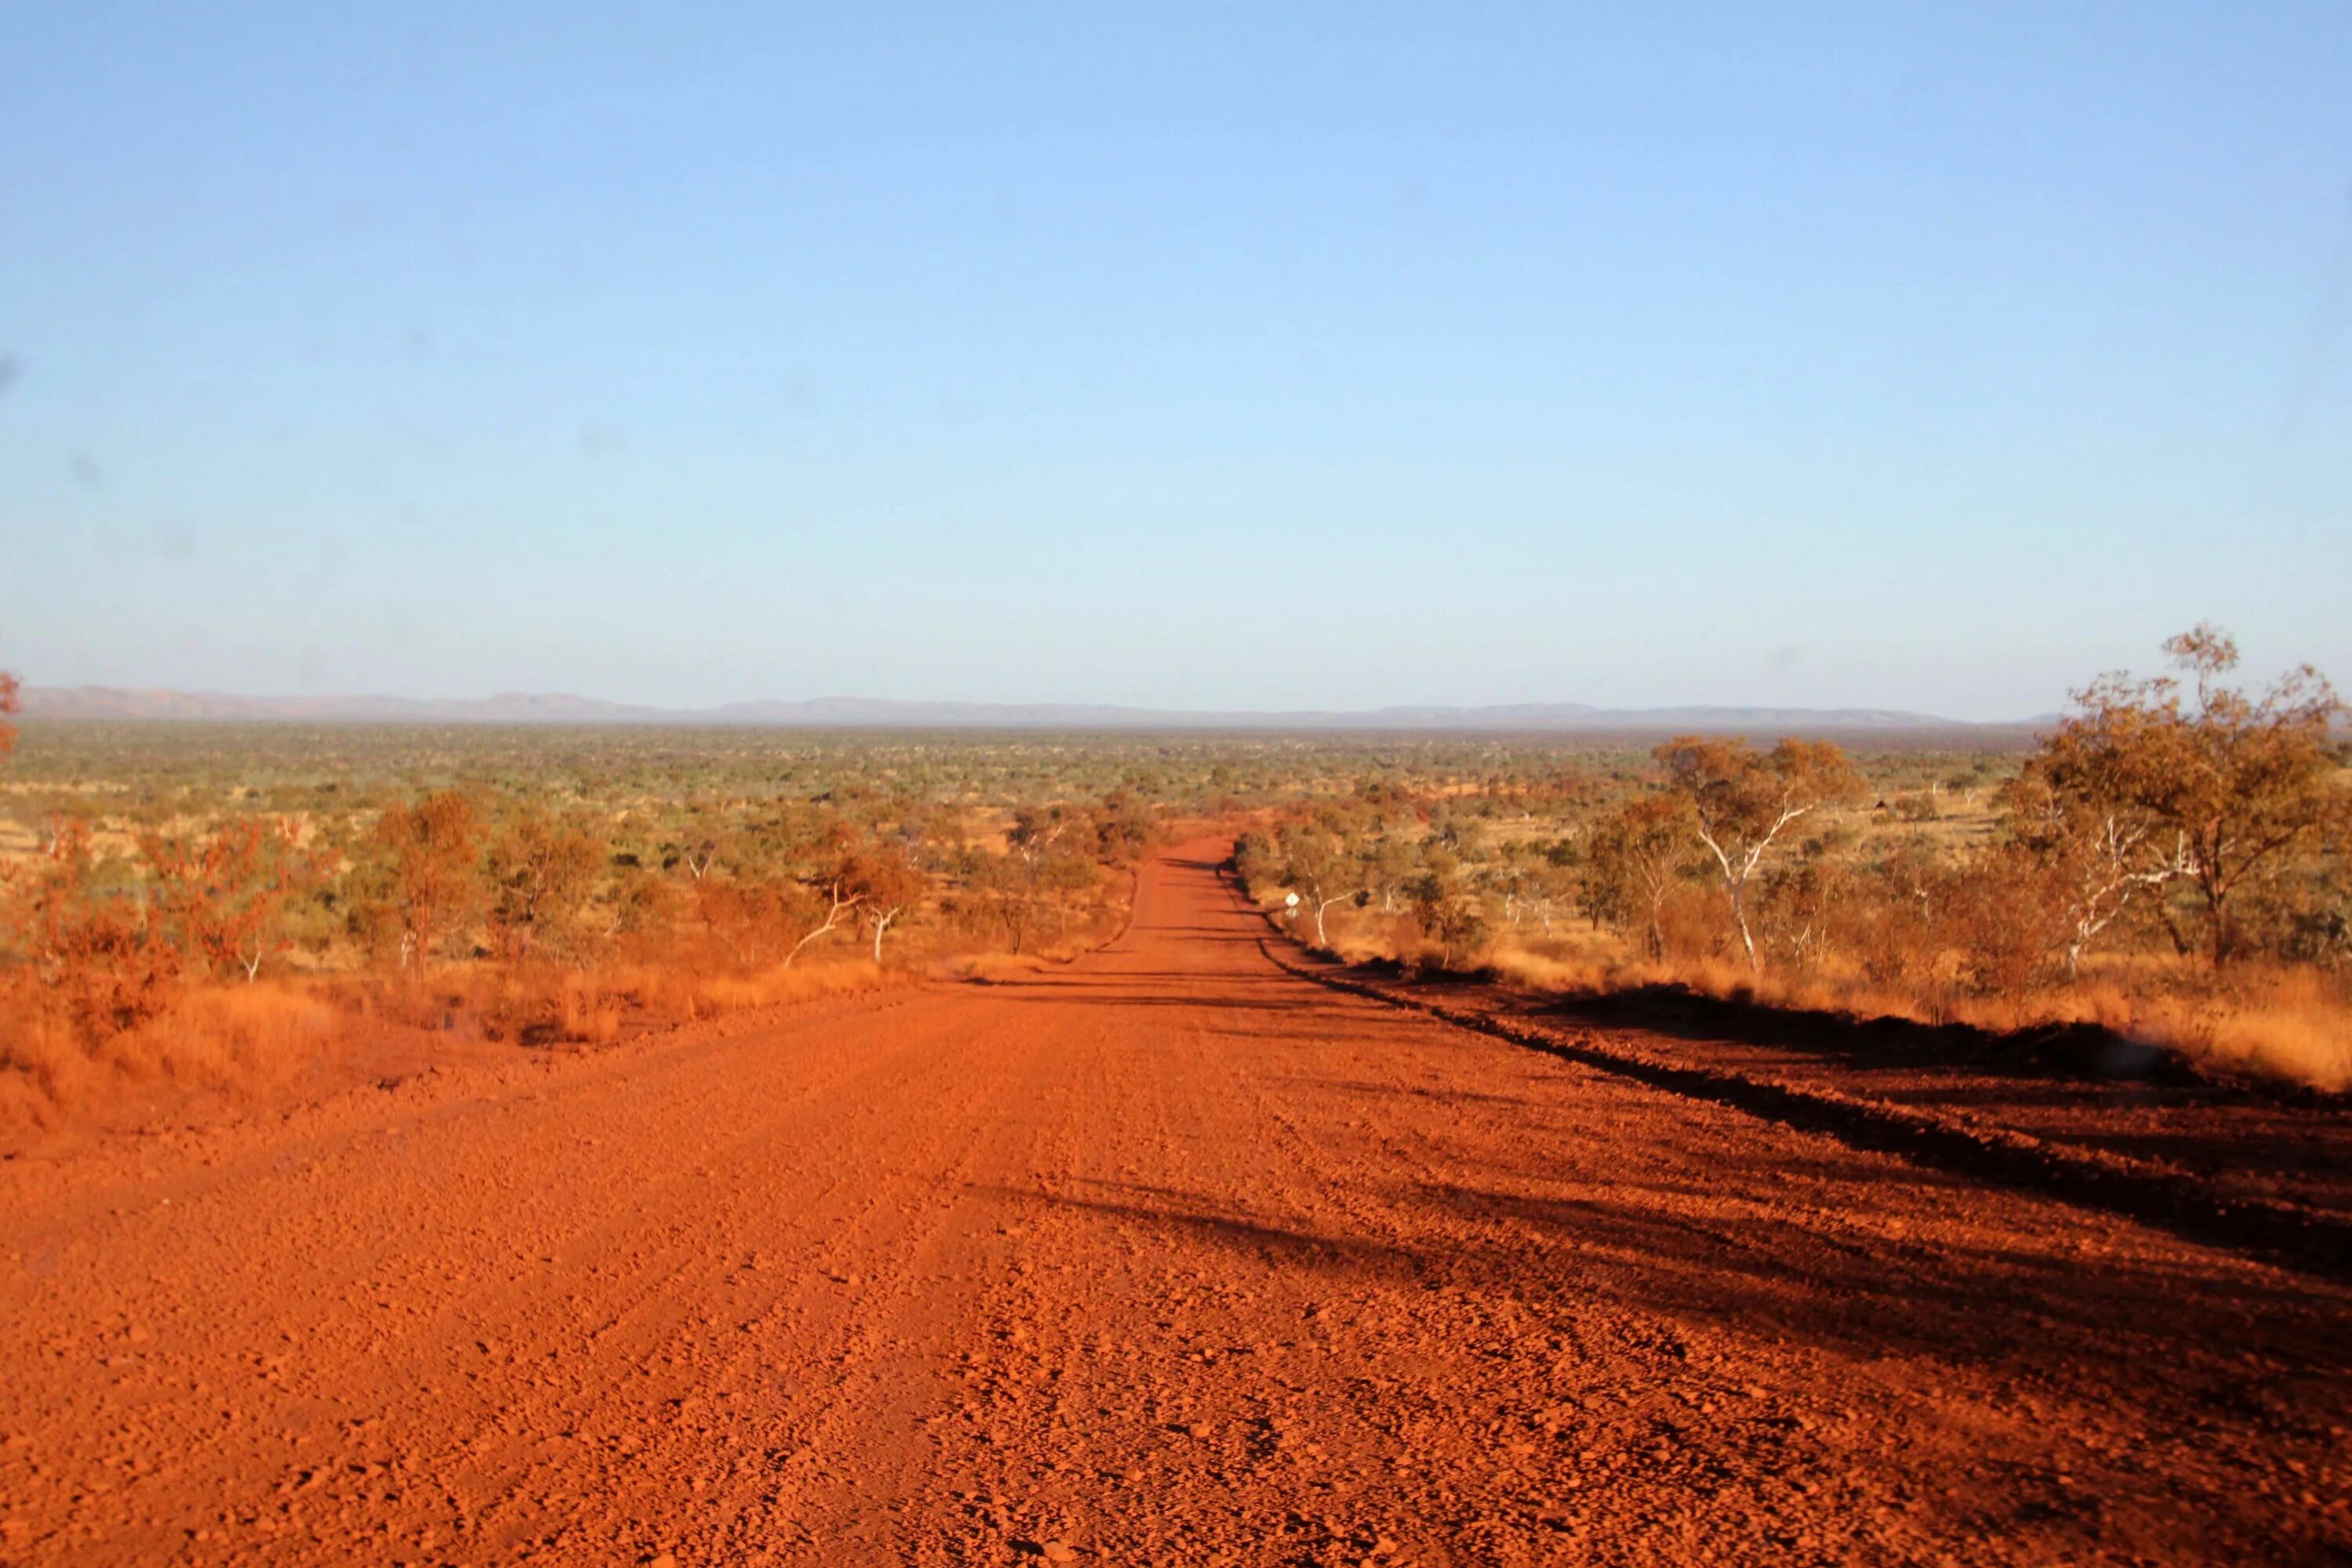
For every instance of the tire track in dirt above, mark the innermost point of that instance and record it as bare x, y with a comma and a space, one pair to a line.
817, 1255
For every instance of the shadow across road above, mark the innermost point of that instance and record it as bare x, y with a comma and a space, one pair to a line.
2012, 1304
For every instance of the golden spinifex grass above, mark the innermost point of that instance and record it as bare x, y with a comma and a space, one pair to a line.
236, 1037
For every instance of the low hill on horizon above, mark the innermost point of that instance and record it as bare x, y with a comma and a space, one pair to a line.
121, 703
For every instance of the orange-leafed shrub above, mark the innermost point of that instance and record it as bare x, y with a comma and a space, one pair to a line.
96, 959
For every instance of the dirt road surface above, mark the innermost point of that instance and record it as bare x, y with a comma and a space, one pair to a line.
1165, 1257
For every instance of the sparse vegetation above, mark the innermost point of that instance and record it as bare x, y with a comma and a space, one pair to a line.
539, 888
2170, 860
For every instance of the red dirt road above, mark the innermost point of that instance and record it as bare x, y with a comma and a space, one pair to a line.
1166, 1256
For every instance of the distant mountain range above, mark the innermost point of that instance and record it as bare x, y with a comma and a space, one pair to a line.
876, 714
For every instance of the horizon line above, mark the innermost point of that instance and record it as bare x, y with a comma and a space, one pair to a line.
92, 701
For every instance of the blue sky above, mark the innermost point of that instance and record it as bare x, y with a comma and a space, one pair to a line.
1206, 355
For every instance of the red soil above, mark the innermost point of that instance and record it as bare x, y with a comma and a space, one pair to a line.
1166, 1257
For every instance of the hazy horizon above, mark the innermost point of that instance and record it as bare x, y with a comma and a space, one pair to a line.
1935, 361
84, 701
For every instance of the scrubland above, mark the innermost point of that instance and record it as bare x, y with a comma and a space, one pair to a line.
2169, 864
210, 906
214, 905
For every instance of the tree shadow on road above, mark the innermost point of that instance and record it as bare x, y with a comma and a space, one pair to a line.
2233, 1342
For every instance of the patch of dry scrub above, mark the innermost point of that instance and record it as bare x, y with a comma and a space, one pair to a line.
242, 1037
224, 952
2286, 1022
550, 1004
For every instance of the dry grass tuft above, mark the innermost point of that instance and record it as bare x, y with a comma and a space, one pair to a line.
2289, 1024
42, 1063
227, 1037
552, 1004
239, 1038
800, 983
987, 967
